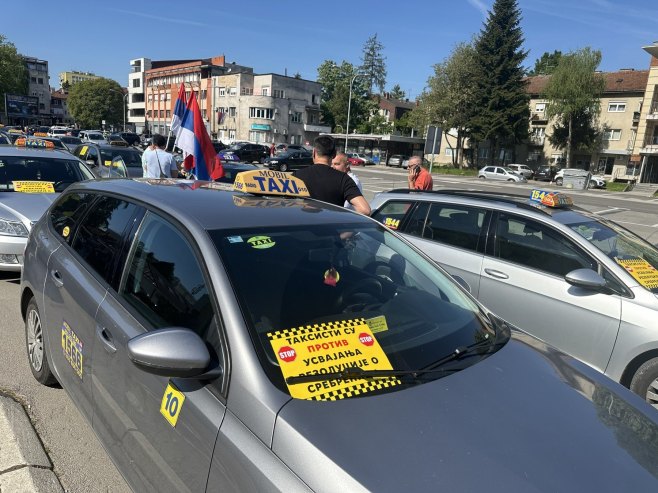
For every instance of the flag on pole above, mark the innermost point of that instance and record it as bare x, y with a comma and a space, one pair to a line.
179, 111
193, 139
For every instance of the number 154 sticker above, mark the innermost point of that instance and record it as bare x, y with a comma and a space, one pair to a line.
172, 402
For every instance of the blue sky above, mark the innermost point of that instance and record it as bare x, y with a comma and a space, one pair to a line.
297, 36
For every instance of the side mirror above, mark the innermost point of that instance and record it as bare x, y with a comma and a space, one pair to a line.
172, 352
91, 162
586, 279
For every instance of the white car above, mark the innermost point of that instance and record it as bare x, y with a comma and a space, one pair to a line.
500, 173
522, 169
594, 181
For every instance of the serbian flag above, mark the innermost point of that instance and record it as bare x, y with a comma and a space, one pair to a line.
179, 111
193, 139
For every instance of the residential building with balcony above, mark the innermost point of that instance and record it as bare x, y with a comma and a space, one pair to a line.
39, 86
136, 104
59, 108
73, 77
645, 148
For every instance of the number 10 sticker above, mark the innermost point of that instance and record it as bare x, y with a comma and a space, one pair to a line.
172, 402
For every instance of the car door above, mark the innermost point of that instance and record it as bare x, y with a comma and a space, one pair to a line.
160, 431
78, 275
523, 282
489, 172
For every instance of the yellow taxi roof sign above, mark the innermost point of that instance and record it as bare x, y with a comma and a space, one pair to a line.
268, 182
28, 142
551, 199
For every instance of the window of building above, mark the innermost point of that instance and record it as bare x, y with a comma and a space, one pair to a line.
137, 83
278, 93
33, 80
203, 94
231, 110
483, 152
42, 106
296, 139
246, 91
296, 117
222, 91
616, 107
265, 91
265, 113
448, 151
312, 118
40, 80
231, 134
168, 113
612, 134
232, 91
256, 136
540, 107
314, 99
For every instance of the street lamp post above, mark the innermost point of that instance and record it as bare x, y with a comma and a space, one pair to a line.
349, 107
124, 106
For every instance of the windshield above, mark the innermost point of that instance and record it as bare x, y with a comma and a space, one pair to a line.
638, 257
71, 140
60, 172
322, 298
95, 137
131, 157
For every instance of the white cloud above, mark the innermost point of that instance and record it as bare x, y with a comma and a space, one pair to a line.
481, 6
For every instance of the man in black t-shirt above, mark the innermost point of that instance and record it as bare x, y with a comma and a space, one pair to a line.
327, 184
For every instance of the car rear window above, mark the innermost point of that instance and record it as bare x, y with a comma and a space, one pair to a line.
59, 172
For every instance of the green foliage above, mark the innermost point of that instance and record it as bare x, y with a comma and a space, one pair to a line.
573, 94
376, 124
297, 75
13, 73
92, 101
398, 93
335, 80
373, 64
502, 101
546, 64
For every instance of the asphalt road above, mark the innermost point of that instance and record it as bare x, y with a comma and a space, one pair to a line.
80, 461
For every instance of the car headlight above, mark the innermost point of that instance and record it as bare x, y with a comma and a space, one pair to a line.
273, 161
13, 228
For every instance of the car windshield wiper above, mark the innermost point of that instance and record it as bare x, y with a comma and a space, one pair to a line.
356, 373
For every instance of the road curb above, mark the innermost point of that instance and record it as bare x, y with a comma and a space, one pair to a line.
24, 464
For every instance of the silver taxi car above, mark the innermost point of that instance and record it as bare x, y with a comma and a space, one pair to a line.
222, 340
30, 180
574, 279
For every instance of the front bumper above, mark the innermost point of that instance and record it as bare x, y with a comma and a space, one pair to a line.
11, 253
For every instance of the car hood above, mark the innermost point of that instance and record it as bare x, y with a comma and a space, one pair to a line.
25, 206
527, 418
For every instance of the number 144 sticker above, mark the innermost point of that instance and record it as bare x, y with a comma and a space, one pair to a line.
172, 402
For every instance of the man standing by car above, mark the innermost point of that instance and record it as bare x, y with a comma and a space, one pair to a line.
341, 163
327, 184
156, 162
419, 178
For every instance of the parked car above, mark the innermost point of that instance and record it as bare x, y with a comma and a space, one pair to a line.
34, 142
355, 160
95, 137
396, 160
246, 152
283, 147
366, 159
176, 338
130, 137
99, 158
594, 181
70, 142
522, 169
546, 173
31, 178
290, 160
574, 279
500, 173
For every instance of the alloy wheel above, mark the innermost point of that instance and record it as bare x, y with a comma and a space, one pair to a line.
34, 340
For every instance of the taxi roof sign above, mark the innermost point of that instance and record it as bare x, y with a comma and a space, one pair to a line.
551, 199
28, 142
268, 182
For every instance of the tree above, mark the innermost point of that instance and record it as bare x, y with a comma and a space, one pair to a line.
502, 101
398, 93
573, 94
546, 64
13, 73
92, 101
373, 64
450, 100
66, 85
335, 80
297, 75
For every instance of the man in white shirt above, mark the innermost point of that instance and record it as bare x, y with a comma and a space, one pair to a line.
341, 163
158, 163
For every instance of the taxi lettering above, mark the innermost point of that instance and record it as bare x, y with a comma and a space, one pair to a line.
314, 336
276, 185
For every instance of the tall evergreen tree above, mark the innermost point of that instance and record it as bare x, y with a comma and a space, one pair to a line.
373, 64
335, 80
546, 64
503, 112
398, 93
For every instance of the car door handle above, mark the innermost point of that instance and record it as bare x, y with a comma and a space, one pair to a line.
57, 278
496, 273
106, 338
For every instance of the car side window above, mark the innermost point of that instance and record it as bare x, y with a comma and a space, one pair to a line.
92, 155
455, 225
164, 281
500, 171
99, 237
392, 213
67, 212
526, 242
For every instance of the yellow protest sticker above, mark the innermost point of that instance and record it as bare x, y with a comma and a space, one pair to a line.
72, 347
261, 242
25, 186
377, 324
172, 403
641, 270
392, 223
66, 231
108, 163
327, 348
83, 151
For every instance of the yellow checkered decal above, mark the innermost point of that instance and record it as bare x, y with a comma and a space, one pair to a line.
308, 329
356, 390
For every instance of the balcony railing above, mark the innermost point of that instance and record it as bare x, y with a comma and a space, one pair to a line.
538, 116
653, 111
537, 140
651, 140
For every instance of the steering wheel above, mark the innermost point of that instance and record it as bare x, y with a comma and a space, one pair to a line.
364, 295
384, 270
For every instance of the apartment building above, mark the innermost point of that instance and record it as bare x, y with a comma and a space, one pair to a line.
59, 108
39, 87
645, 148
73, 77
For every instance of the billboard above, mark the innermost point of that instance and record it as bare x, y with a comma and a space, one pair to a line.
21, 106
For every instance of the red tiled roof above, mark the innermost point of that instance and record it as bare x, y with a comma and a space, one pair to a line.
621, 81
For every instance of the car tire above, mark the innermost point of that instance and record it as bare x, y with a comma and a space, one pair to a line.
283, 167
645, 382
559, 182
592, 184
36, 348
512, 180
482, 177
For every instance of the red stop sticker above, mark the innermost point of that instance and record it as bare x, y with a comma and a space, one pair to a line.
287, 354
366, 339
